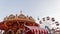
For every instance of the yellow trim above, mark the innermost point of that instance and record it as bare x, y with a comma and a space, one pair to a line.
10, 30
5, 24
18, 23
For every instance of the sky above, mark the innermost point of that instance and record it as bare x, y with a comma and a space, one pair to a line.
34, 8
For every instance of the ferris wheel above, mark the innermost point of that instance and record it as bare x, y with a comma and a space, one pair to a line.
50, 22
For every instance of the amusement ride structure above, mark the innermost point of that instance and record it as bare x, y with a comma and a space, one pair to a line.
51, 25
20, 24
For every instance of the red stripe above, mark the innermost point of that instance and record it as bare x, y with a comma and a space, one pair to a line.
32, 30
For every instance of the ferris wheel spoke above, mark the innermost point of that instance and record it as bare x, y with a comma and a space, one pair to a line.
47, 21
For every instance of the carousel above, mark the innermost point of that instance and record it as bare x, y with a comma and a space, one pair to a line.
20, 24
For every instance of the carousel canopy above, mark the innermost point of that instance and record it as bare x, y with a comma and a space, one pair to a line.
19, 17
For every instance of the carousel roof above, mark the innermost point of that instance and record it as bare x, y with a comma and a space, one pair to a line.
19, 17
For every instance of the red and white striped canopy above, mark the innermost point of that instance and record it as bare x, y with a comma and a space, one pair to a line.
37, 30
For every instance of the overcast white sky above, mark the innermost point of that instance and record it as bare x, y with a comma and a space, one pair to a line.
35, 8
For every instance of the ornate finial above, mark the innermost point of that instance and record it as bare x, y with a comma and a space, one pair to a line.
16, 15
27, 15
20, 12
